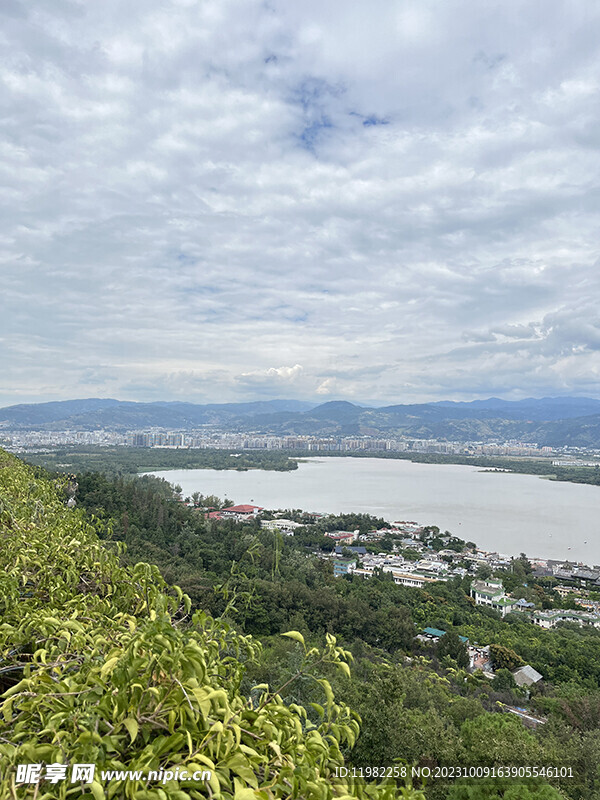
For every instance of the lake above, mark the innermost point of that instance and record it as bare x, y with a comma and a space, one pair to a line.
498, 511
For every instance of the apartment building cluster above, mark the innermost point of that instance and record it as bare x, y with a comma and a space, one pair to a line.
575, 575
244, 441
156, 439
32, 441
338, 444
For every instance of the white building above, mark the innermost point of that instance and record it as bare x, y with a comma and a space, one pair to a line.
287, 526
551, 617
416, 580
490, 593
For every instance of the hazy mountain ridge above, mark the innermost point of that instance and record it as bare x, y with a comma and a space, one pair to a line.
113, 414
548, 421
531, 421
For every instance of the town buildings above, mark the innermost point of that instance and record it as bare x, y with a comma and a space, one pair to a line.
404, 573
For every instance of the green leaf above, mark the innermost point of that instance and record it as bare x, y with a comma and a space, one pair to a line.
344, 667
7, 710
97, 790
328, 691
108, 666
243, 792
18, 687
132, 726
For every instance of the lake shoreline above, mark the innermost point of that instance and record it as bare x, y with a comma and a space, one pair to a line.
548, 519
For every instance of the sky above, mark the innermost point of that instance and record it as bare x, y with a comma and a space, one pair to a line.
217, 200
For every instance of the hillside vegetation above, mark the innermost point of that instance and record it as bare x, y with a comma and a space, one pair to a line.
102, 663
417, 704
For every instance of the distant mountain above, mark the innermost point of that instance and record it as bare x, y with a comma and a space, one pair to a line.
110, 414
41, 413
550, 421
545, 408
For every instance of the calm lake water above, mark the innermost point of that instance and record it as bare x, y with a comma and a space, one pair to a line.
499, 511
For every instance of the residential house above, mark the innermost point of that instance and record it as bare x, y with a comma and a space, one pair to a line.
342, 566
526, 676
435, 634
480, 658
342, 537
490, 593
523, 605
358, 551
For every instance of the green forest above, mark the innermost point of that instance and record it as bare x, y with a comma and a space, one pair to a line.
137, 632
131, 460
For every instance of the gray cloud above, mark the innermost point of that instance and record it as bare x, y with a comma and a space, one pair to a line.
197, 198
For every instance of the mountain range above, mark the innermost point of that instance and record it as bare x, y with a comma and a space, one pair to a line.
551, 421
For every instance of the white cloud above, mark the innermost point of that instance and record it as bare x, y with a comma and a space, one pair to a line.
193, 193
272, 378
326, 387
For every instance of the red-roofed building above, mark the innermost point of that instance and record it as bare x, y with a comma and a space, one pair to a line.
240, 512
214, 515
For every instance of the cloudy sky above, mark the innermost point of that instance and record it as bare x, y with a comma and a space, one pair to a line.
216, 200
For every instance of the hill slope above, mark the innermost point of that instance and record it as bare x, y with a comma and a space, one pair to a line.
101, 666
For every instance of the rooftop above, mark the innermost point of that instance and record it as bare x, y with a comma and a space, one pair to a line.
438, 634
526, 676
